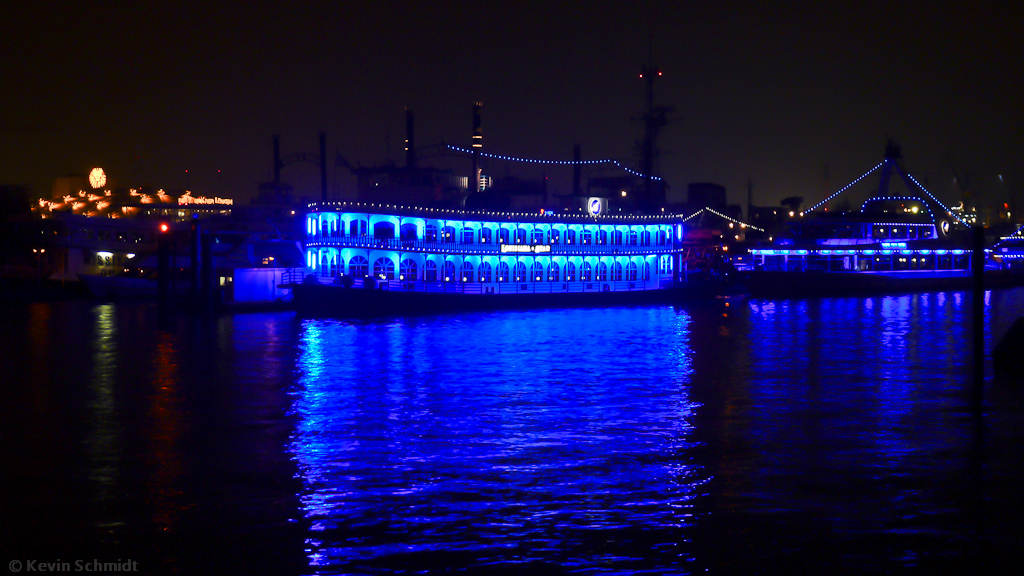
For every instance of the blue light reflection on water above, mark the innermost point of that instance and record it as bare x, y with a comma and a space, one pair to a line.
508, 438
652, 439
857, 421
828, 435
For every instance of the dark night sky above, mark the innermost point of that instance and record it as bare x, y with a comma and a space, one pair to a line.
770, 90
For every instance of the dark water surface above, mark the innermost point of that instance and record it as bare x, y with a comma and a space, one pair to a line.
801, 436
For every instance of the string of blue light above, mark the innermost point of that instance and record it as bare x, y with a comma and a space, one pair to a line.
841, 190
885, 198
552, 162
1015, 236
930, 195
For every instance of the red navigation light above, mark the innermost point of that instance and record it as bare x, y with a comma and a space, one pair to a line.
164, 227
659, 72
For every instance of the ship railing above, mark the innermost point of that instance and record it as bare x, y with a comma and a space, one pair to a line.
298, 275
371, 242
503, 287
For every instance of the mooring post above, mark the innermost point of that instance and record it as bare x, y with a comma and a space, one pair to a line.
163, 271
193, 257
207, 272
978, 273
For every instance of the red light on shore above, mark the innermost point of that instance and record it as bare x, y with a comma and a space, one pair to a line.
164, 227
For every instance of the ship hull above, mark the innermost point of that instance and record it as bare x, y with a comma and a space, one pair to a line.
765, 284
313, 300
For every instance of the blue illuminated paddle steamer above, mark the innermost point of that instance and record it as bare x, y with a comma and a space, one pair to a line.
366, 258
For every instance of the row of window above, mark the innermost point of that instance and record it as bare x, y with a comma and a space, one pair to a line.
867, 263
384, 269
902, 232
484, 235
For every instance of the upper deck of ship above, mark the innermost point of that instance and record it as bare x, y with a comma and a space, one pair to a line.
538, 217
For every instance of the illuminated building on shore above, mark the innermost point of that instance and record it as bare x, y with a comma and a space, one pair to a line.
92, 226
96, 196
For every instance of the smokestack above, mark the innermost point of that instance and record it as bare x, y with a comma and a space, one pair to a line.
576, 170
323, 166
410, 142
277, 158
478, 144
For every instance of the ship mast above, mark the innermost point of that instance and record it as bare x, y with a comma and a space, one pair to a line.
654, 118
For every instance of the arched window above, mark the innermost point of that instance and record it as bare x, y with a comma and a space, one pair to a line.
588, 237
537, 236
504, 235
466, 272
520, 272
632, 239
536, 272
570, 236
485, 235
556, 236
468, 236
409, 232
409, 269
554, 272
384, 269
617, 237
645, 238
631, 272
485, 272
521, 235
449, 271
570, 272
431, 233
430, 271
359, 267
586, 272
503, 273
647, 271
602, 237
616, 272
358, 228
384, 231
448, 234
602, 272
334, 265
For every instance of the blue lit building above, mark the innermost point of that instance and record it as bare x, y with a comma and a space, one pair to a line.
481, 252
